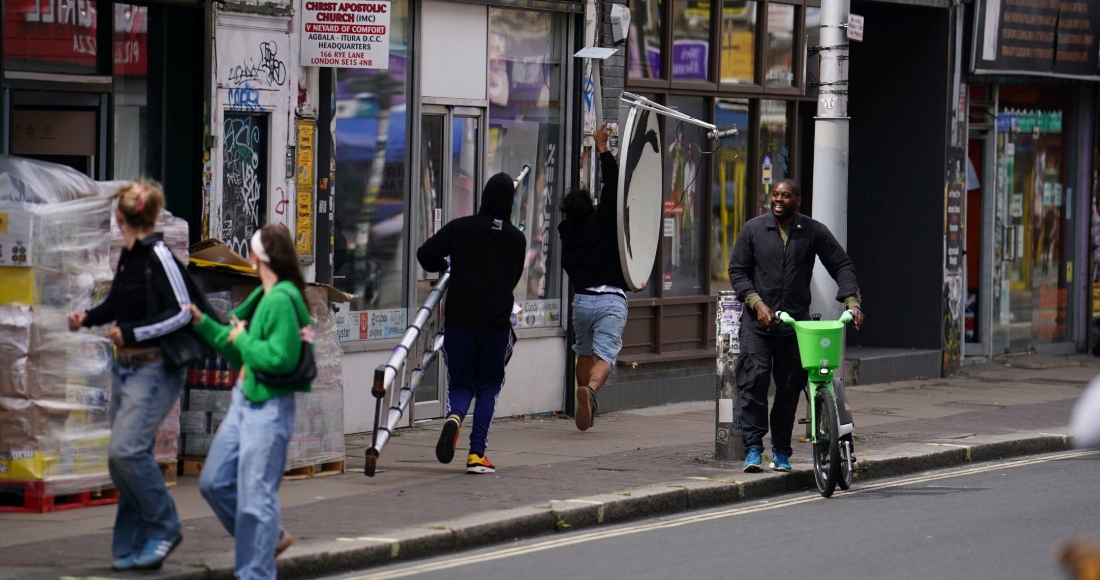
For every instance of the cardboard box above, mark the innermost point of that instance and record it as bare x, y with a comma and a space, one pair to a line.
214, 253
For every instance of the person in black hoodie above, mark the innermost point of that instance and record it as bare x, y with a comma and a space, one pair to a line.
486, 259
590, 255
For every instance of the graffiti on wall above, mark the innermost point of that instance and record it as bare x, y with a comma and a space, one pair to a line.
244, 167
260, 68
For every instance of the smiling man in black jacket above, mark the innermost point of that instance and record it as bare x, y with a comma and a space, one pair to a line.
486, 253
770, 271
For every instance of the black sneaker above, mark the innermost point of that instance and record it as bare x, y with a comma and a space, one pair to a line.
448, 439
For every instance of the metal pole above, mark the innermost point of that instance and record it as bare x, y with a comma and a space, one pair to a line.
830, 196
728, 441
641, 102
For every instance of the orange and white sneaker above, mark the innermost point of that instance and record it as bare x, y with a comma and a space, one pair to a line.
448, 439
479, 464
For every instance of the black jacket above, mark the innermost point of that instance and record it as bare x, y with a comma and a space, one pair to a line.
487, 254
781, 276
148, 295
590, 247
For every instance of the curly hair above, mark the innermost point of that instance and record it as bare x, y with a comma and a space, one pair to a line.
577, 204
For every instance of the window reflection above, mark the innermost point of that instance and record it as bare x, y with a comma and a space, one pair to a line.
131, 84
464, 165
369, 233
644, 41
525, 128
730, 199
57, 36
773, 148
691, 40
812, 63
739, 41
685, 190
780, 71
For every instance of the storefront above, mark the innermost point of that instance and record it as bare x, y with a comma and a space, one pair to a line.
732, 62
1032, 128
472, 89
111, 89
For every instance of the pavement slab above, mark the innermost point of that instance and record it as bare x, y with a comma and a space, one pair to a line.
552, 478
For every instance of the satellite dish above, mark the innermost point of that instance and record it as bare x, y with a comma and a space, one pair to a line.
641, 186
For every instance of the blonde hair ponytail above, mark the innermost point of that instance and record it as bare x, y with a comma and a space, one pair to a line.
140, 202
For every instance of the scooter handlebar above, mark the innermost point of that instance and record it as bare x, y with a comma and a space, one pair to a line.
784, 317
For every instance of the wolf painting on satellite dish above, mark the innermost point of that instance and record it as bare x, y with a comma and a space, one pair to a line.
641, 182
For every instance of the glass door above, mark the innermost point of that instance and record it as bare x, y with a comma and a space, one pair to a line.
978, 242
448, 182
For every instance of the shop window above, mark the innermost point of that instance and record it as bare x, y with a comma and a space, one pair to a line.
730, 194
738, 59
131, 88
811, 64
644, 41
1032, 282
56, 36
773, 149
369, 234
779, 56
691, 40
525, 128
685, 194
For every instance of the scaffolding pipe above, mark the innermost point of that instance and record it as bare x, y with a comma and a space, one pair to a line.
385, 374
644, 103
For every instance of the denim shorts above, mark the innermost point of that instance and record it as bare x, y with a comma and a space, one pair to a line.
598, 323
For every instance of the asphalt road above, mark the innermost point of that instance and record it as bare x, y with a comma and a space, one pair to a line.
997, 520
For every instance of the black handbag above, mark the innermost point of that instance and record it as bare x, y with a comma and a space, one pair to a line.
183, 347
299, 378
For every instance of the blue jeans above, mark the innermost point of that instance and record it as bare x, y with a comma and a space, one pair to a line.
241, 478
141, 398
475, 368
598, 323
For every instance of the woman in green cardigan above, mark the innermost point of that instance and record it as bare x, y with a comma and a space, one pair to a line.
241, 477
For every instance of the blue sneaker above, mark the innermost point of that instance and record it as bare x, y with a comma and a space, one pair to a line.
155, 551
124, 563
753, 462
780, 461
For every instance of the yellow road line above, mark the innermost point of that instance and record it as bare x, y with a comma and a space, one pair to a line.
685, 520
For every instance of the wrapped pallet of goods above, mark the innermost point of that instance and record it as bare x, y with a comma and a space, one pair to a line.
55, 386
317, 446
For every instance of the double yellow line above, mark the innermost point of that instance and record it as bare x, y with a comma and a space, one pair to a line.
569, 540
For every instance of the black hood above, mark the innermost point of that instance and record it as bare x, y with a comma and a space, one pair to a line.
498, 196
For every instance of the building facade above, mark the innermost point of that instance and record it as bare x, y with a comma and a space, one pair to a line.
972, 180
